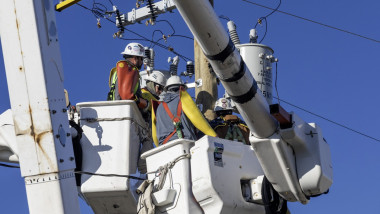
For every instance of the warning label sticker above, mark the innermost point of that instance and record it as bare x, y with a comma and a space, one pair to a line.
218, 154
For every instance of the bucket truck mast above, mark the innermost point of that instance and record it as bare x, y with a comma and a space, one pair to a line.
35, 81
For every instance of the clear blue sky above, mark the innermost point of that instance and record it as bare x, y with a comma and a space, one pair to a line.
328, 72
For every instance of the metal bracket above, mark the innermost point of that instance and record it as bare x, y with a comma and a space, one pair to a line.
133, 18
165, 5
138, 15
196, 84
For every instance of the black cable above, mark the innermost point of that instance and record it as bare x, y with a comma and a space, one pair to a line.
156, 43
9, 166
161, 45
143, 38
331, 121
84, 7
266, 29
264, 18
154, 33
87, 173
109, 175
278, 6
315, 22
171, 26
187, 37
224, 17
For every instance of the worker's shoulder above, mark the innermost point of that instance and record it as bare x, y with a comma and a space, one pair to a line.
216, 122
124, 64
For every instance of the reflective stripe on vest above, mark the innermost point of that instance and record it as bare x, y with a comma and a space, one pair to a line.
111, 94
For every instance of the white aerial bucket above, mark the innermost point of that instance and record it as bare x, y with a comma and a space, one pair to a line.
110, 144
176, 195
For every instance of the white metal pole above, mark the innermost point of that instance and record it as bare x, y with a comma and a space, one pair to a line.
228, 65
35, 81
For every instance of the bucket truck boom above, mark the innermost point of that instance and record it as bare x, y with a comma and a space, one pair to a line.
281, 155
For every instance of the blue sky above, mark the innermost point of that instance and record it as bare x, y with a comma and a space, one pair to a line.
325, 71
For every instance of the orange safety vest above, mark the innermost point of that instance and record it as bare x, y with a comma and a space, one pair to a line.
127, 76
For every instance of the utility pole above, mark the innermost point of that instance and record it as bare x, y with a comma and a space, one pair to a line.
207, 94
35, 80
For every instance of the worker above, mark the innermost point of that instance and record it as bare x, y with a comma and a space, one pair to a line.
124, 80
155, 83
227, 125
177, 116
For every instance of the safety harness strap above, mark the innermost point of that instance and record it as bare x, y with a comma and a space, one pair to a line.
176, 121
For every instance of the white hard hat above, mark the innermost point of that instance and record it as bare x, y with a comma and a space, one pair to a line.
222, 104
174, 81
134, 49
157, 77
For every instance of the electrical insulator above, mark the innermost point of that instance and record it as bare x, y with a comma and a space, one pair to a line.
152, 55
173, 69
190, 68
173, 65
253, 36
233, 34
147, 52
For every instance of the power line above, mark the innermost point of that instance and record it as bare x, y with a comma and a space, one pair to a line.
9, 166
331, 121
97, 14
86, 173
315, 22
156, 43
264, 18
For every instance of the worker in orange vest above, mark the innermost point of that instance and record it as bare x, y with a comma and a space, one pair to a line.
124, 80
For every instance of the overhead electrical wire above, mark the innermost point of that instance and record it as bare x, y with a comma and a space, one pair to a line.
273, 10
9, 166
264, 18
315, 22
85, 173
103, 15
156, 43
331, 121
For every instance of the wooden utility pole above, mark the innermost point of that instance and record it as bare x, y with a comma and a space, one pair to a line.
207, 94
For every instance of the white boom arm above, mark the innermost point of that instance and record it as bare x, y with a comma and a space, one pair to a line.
228, 65
35, 81
296, 163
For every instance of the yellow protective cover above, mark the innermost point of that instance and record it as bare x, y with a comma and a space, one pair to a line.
195, 116
154, 131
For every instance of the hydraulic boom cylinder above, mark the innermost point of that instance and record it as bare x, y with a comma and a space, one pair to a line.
228, 65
